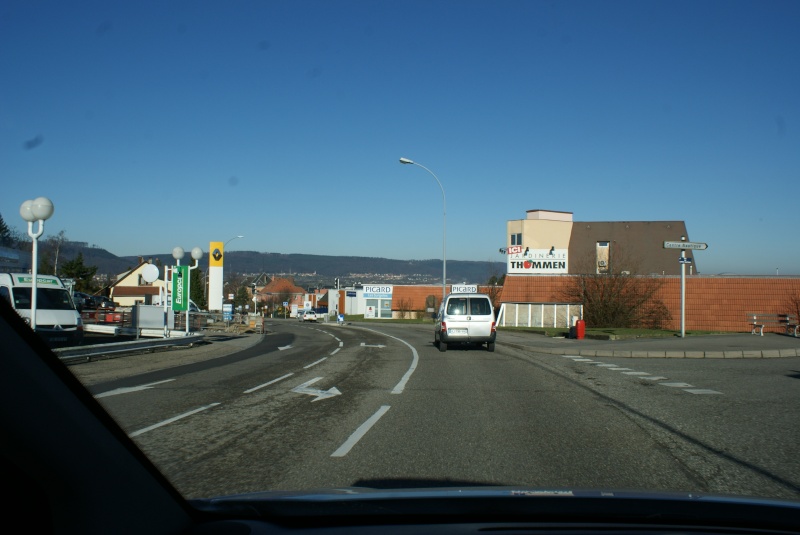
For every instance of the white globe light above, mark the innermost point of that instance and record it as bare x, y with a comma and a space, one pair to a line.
197, 253
26, 211
42, 208
177, 253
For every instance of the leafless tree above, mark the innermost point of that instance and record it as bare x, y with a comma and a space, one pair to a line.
620, 297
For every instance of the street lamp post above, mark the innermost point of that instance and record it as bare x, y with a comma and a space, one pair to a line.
444, 224
197, 254
39, 209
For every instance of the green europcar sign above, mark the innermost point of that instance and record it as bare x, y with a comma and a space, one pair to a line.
180, 288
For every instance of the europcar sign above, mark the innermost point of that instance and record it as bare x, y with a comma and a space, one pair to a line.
180, 288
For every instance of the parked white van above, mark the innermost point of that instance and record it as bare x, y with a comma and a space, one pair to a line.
465, 318
58, 321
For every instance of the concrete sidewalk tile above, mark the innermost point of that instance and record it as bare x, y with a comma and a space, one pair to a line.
733, 354
657, 354
752, 354
771, 353
604, 353
715, 354
623, 354
639, 354
675, 354
788, 352
695, 354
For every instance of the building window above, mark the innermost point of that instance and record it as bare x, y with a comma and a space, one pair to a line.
516, 239
603, 257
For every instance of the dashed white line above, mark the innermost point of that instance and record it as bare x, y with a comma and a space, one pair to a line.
171, 420
359, 433
250, 391
315, 363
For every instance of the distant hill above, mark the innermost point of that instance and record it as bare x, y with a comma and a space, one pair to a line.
311, 269
348, 268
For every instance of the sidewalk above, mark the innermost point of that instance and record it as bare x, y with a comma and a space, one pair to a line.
727, 346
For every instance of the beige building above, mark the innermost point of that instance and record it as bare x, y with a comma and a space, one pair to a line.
131, 288
550, 243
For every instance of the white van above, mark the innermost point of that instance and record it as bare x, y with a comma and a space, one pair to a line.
465, 318
58, 321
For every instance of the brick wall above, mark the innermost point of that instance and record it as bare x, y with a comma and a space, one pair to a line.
712, 303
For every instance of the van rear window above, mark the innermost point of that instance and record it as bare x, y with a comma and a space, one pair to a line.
480, 307
457, 306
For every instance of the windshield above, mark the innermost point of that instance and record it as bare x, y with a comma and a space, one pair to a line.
47, 298
618, 178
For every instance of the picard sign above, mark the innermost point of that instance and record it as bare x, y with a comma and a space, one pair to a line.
538, 262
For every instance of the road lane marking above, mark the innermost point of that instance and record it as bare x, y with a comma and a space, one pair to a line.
267, 384
282, 348
398, 389
676, 385
171, 420
701, 391
359, 433
315, 363
635, 373
335, 351
130, 389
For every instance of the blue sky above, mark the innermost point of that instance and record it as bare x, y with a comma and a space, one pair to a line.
156, 124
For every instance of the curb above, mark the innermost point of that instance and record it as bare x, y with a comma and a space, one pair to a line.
749, 354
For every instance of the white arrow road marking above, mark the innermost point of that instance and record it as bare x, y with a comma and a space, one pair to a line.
371, 345
130, 389
321, 394
173, 419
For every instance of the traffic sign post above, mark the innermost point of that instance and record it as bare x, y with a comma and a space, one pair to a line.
683, 260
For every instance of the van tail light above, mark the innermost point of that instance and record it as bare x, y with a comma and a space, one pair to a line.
444, 327
494, 328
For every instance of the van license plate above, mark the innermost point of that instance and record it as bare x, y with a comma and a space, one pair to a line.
456, 331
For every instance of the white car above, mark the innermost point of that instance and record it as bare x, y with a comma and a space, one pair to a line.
309, 315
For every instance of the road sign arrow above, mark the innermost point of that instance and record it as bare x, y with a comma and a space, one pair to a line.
320, 394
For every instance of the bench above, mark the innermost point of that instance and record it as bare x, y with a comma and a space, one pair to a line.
758, 321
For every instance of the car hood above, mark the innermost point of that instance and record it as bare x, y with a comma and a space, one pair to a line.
514, 503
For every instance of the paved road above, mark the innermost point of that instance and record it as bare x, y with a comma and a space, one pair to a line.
241, 411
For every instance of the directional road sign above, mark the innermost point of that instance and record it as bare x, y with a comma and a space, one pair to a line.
685, 245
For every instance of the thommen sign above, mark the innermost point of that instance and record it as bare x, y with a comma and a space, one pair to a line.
538, 262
